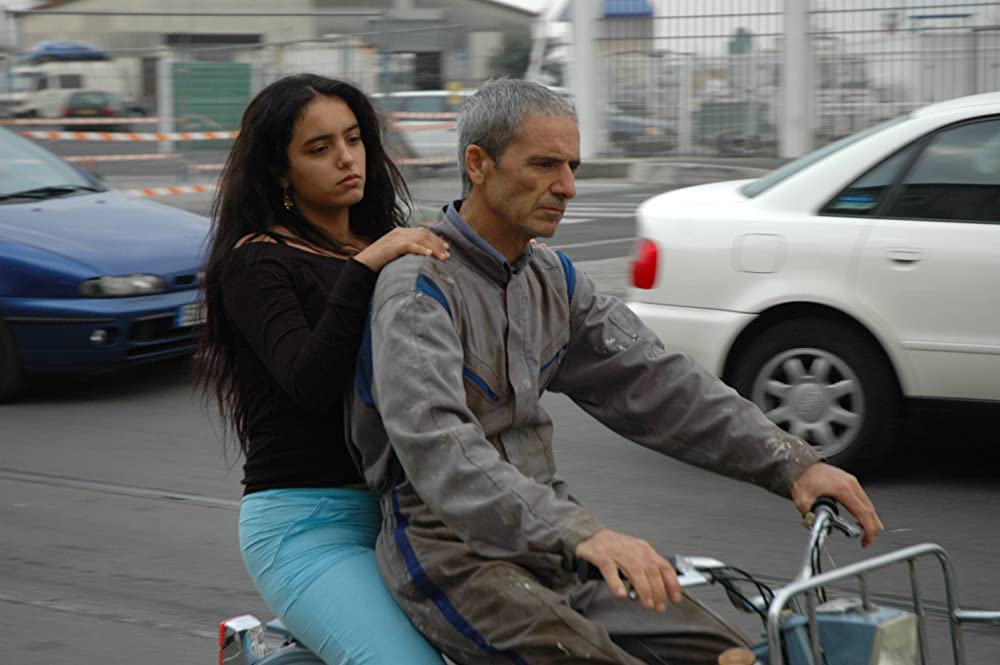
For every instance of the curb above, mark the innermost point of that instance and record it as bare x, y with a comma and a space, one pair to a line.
604, 168
677, 173
690, 173
650, 172
653, 171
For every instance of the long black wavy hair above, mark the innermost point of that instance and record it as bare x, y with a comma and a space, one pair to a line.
249, 202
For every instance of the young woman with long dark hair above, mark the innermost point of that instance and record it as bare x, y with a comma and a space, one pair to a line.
308, 212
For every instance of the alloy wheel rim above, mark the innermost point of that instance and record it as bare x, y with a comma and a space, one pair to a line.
814, 395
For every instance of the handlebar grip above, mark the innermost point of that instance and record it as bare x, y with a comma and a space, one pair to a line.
828, 503
587, 571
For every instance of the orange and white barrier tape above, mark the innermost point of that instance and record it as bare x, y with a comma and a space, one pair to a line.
138, 120
421, 115
424, 127
130, 136
179, 136
200, 189
120, 158
402, 161
167, 191
427, 161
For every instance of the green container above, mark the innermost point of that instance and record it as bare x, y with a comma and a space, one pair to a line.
209, 97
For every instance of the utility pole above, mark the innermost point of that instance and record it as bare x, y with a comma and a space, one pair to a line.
8, 46
8, 30
165, 99
795, 134
583, 77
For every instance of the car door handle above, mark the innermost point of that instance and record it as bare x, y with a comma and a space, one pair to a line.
902, 255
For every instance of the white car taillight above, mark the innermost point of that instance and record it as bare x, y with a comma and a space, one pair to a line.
644, 264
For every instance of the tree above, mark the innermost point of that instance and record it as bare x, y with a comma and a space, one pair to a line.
514, 60
741, 42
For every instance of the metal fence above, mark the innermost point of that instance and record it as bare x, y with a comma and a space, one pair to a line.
692, 77
707, 75
180, 106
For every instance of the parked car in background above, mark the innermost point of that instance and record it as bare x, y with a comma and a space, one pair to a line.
90, 279
839, 287
88, 104
637, 134
424, 122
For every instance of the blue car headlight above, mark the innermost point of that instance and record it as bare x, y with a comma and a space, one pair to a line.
120, 286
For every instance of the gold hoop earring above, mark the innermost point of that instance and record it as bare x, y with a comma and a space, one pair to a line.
286, 200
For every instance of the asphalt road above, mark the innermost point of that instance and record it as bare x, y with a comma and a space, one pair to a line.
119, 514
118, 504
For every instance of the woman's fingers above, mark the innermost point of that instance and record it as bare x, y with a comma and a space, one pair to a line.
402, 241
428, 243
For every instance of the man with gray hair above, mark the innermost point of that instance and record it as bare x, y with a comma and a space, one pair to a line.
481, 542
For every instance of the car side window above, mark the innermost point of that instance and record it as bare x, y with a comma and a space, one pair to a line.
70, 81
955, 177
863, 196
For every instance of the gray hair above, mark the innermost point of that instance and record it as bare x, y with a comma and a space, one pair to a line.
491, 117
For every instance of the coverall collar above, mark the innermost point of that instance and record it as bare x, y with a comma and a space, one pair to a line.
482, 254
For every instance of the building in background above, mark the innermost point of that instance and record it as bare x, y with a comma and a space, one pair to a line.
381, 44
179, 61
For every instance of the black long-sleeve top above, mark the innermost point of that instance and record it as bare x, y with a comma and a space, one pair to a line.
299, 318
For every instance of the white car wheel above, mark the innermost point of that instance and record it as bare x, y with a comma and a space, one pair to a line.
814, 395
827, 383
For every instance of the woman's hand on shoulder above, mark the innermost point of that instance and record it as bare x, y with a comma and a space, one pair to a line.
401, 241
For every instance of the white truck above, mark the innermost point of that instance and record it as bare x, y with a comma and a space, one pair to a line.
41, 90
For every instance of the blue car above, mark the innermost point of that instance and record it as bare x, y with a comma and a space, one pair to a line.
90, 279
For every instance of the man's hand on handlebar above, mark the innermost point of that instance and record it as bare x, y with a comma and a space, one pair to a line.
651, 576
824, 480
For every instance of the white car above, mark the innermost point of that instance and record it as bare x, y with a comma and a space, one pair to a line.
836, 287
425, 121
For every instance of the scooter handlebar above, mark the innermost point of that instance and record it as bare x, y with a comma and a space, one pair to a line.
826, 502
829, 510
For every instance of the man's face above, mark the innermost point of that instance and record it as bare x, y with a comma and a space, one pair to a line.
529, 187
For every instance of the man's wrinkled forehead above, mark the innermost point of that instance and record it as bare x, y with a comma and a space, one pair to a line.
548, 135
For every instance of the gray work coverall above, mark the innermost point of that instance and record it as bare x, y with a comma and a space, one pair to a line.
478, 538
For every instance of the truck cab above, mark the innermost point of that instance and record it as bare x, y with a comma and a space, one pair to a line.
41, 91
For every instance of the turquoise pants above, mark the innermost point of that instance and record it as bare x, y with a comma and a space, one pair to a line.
311, 554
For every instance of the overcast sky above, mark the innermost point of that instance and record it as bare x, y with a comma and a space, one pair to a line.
533, 5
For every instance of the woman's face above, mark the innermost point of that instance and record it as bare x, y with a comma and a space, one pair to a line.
326, 158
